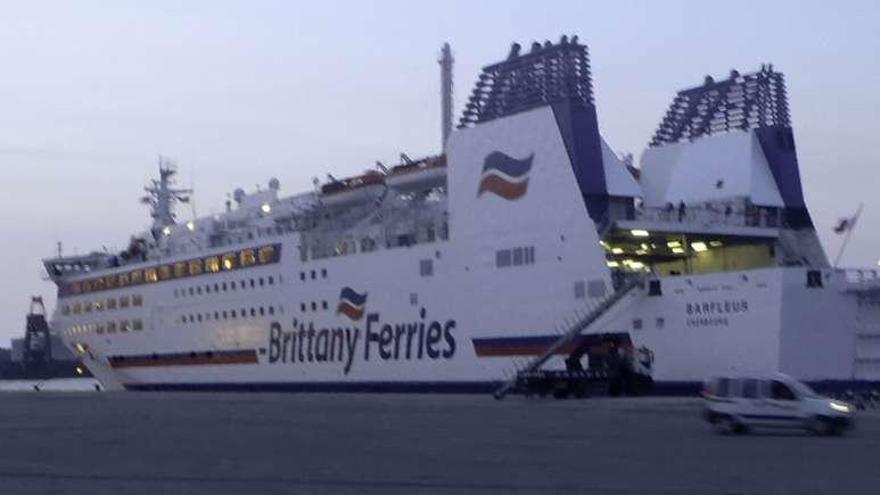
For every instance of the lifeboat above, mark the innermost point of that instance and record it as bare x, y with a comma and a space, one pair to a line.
418, 175
353, 190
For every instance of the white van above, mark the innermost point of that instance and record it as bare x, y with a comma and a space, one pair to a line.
734, 405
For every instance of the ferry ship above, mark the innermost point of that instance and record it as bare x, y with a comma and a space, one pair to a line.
455, 271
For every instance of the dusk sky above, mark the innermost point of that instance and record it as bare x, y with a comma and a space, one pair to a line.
238, 92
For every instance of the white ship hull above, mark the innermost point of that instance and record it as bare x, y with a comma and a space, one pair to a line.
461, 300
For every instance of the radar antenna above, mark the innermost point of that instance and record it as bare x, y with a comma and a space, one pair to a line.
161, 196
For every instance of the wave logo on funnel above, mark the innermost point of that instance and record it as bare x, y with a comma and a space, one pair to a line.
505, 176
351, 304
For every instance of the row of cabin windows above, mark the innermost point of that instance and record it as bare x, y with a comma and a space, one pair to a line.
232, 285
230, 314
314, 305
313, 274
210, 264
107, 327
108, 304
517, 256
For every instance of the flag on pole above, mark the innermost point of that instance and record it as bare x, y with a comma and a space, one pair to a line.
846, 224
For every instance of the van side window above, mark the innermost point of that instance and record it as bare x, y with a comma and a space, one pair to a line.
723, 387
780, 391
750, 388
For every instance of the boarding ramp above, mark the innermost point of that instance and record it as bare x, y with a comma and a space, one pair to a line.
572, 333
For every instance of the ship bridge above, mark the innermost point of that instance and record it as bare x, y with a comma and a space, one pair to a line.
718, 186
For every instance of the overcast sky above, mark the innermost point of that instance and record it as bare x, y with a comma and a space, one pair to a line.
238, 92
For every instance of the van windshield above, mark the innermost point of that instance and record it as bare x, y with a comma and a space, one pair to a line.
804, 390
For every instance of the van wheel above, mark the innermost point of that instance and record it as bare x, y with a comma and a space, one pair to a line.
818, 425
726, 425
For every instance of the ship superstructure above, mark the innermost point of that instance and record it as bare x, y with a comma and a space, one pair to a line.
452, 271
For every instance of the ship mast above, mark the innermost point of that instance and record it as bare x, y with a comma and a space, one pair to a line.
446, 62
161, 196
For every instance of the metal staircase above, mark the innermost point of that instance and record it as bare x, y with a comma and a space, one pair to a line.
576, 329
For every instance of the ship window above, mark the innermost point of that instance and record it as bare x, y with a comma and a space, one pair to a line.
223, 285
272, 308
229, 261
137, 325
123, 301
207, 289
212, 264
195, 267
232, 313
87, 307
254, 311
242, 284
502, 258
596, 288
199, 290
302, 307
248, 258
123, 279
137, 300
99, 328
314, 306
313, 274
192, 291
267, 254
580, 289
323, 304
199, 317
225, 315
137, 277
271, 280
87, 286
98, 284
263, 311
413, 298
77, 308
637, 324
123, 326
517, 256
216, 287
179, 270
99, 305
151, 275
110, 281
65, 310
660, 323
323, 272
302, 275
252, 283
111, 327
426, 268
165, 272
262, 281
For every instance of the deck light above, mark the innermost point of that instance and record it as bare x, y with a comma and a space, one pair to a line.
639, 233
266, 208
190, 225
613, 264
617, 250
699, 246
673, 244
715, 243
166, 230
678, 250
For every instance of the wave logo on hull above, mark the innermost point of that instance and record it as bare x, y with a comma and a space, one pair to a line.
351, 304
505, 176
